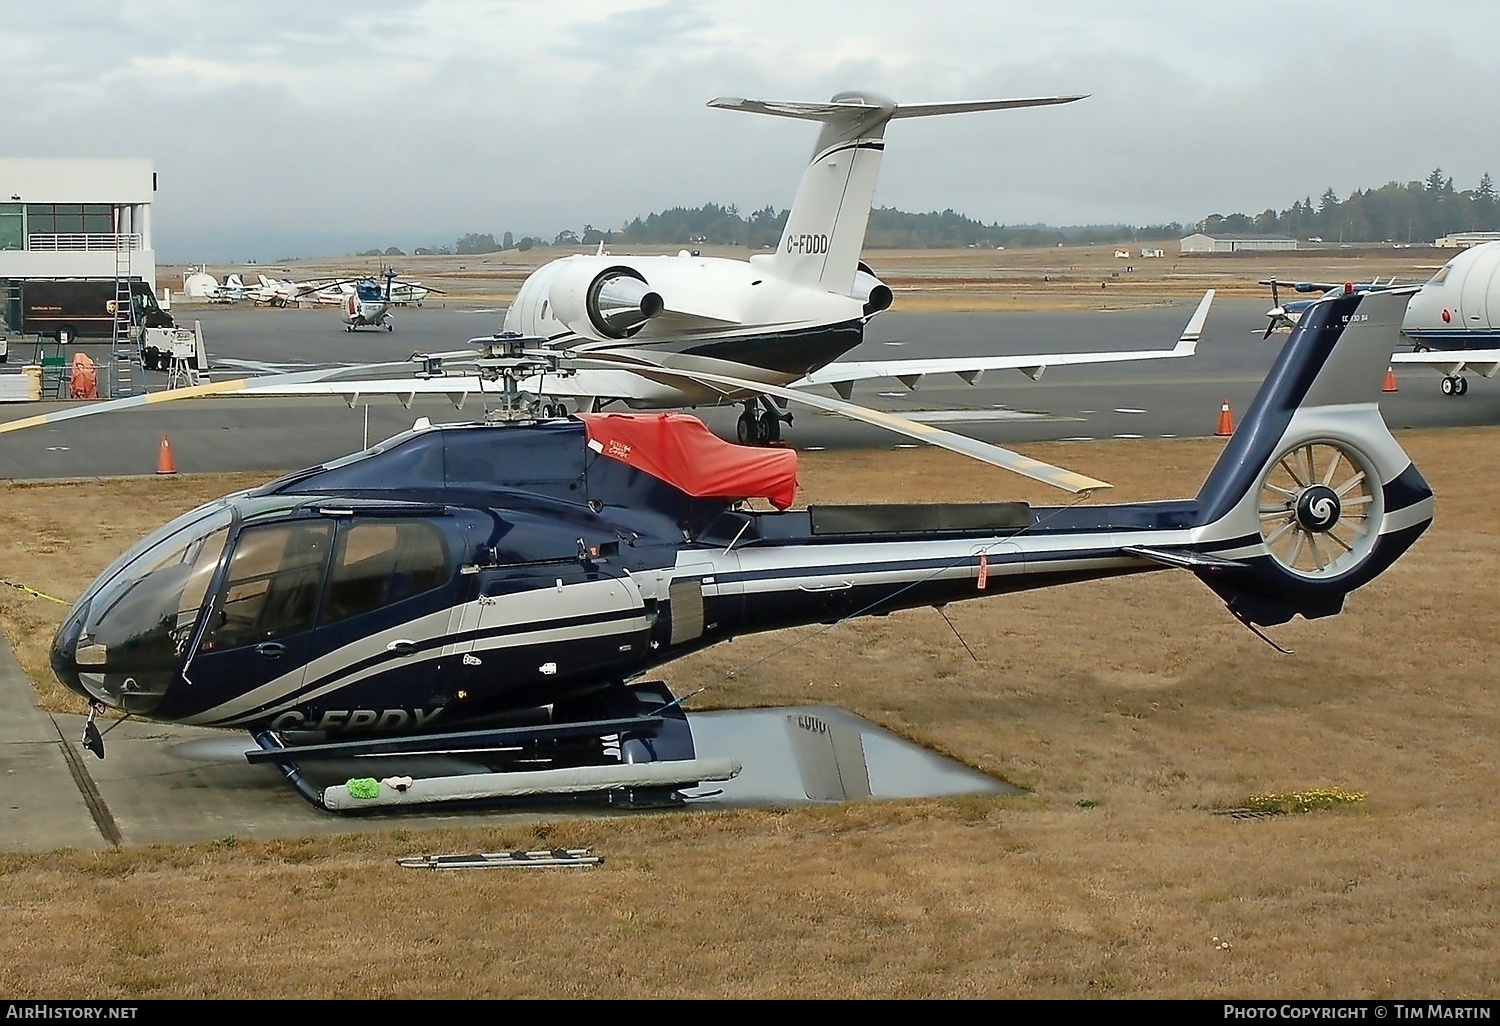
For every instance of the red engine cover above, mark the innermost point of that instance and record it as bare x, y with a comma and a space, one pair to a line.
677, 448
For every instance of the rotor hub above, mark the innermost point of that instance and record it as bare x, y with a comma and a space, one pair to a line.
1318, 508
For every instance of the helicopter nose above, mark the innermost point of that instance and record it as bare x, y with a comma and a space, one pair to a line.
85, 668
64, 644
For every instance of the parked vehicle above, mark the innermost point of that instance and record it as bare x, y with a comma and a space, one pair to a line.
74, 308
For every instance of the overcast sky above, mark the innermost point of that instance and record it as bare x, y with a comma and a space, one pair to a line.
317, 127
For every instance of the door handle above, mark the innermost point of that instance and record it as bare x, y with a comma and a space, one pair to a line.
840, 586
401, 646
271, 649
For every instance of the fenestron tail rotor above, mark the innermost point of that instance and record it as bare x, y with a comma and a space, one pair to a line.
1320, 509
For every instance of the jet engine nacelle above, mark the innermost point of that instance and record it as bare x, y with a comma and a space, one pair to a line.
870, 290
614, 302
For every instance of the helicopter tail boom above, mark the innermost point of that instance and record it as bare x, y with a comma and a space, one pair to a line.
1313, 497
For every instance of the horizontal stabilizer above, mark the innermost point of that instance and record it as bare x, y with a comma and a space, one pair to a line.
1186, 559
830, 111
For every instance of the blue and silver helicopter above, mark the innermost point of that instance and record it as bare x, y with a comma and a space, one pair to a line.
502, 590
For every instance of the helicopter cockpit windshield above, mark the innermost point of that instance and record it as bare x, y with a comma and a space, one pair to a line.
132, 631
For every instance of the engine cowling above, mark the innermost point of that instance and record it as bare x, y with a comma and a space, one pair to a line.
614, 302
870, 290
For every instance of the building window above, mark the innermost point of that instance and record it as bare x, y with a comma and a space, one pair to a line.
69, 218
12, 235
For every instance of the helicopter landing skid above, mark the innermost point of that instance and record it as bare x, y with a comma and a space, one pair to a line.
640, 760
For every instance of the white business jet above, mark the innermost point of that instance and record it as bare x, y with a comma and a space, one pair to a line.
760, 327
1454, 321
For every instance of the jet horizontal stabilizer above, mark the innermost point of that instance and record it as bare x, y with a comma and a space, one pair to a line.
856, 106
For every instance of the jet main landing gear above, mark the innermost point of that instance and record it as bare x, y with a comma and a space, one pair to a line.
760, 424
1455, 384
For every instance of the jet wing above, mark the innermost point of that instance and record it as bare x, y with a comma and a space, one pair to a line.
995, 455
1484, 362
842, 376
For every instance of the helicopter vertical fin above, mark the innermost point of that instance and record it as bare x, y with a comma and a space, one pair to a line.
1312, 495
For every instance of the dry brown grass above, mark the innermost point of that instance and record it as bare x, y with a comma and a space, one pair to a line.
1132, 708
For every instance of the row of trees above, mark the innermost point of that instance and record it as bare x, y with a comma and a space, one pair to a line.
712, 224
1413, 212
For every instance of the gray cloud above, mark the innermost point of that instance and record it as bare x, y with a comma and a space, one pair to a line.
293, 128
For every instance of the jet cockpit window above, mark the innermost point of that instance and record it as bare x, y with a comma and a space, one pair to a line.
1441, 276
271, 589
380, 562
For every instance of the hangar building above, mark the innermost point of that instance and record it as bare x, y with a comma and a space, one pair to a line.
1226, 243
1463, 240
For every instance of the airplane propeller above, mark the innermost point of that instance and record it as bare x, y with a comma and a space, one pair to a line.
1277, 313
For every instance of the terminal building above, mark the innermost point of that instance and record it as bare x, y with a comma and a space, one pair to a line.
1225, 243
74, 220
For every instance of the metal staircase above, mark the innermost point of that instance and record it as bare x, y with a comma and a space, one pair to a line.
125, 342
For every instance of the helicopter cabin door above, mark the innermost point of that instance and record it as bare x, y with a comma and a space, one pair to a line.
381, 655
251, 660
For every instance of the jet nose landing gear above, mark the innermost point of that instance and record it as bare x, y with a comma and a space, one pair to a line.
760, 424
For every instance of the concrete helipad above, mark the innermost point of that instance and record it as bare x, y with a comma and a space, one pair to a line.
182, 785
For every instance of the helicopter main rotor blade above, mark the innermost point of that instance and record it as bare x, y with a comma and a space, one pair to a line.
190, 392
1007, 459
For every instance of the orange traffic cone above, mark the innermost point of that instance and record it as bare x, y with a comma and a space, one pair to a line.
1226, 426
1390, 380
164, 463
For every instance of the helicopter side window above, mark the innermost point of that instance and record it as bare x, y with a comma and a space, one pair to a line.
272, 586
380, 562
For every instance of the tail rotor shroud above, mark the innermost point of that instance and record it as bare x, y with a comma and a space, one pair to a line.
1320, 509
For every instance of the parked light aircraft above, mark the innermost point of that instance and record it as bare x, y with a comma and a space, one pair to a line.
778, 320
489, 593
199, 284
273, 291
1282, 316
1452, 321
